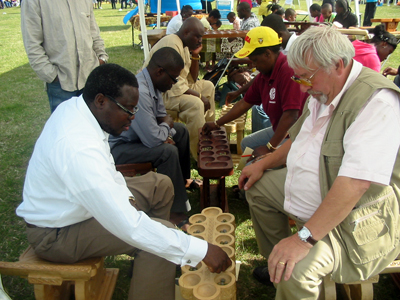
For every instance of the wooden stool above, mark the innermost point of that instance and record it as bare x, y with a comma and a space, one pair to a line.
130, 170
359, 290
86, 279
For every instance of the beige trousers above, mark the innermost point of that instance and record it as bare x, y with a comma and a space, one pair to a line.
270, 222
152, 275
191, 110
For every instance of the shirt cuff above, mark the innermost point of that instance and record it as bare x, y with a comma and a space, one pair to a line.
196, 252
172, 131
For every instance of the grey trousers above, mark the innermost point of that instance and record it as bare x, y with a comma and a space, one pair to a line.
170, 160
270, 222
152, 275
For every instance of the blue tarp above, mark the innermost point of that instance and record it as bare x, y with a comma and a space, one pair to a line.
170, 5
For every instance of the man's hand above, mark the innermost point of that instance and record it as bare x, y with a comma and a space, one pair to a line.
167, 119
206, 102
208, 127
390, 71
285, 255
216, 259
169, 140
250, 175
101, 62
231, 96
196, 51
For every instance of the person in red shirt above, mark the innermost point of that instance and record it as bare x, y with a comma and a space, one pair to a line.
280, 96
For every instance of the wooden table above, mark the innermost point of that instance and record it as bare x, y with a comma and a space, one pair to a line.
390, 24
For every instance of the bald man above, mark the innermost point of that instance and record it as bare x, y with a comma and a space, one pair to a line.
193, 99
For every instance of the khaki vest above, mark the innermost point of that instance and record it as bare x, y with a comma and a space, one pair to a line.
367, 240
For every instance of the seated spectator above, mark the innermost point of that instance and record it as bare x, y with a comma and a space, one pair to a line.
280, 12
153, 135
212, 19
281, 97
234, 20
326, 11
216, 25
331, 2
260, 119
249, 19
176, 22
193, 99
249, 2
344, 15
381, 46
393, 72
76, 205
315, 11
290, 15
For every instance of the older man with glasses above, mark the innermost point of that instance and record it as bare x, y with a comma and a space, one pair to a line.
341, 182
153, 135
76, 205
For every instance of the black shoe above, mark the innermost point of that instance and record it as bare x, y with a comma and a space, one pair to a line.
262, 275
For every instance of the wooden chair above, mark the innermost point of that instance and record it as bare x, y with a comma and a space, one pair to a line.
86, 279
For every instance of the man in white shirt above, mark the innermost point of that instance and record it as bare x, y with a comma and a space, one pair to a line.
176, 22
76, 205
342, 176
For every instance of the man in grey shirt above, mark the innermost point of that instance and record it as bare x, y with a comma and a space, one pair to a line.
153, 136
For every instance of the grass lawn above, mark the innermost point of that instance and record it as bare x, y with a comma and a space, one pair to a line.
24, 109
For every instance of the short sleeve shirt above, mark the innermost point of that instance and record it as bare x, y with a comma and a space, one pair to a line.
276, 92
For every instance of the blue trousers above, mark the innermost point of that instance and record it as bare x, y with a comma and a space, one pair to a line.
57, 95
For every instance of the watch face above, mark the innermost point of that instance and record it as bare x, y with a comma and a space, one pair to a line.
304, 233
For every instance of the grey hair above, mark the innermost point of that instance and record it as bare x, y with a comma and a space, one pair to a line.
323, 45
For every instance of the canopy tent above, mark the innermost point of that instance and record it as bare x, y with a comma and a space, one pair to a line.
172, 5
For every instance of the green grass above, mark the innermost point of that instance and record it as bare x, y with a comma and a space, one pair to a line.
24, 109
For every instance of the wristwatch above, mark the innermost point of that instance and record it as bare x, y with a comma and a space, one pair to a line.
306, 236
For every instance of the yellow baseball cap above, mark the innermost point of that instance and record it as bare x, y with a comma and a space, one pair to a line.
258, 37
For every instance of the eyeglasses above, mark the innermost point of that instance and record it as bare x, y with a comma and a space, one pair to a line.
130, 113
175, 80
305, 81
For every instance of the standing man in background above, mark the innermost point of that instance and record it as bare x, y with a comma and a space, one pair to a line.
62, 52
370, 9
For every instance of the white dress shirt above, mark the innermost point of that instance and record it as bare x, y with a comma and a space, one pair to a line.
71, 177
370, 144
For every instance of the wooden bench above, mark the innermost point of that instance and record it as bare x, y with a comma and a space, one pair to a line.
86, 279
131, 170
359, 290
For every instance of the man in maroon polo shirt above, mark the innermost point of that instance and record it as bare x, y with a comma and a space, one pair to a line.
280, 96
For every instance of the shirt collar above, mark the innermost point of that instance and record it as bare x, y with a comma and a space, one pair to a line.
275, 72
155, 94
88, 115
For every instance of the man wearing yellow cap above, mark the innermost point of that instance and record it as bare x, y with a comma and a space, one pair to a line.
281, 98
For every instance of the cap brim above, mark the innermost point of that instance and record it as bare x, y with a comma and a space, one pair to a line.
244, 52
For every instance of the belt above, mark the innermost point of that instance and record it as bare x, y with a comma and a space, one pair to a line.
30, 225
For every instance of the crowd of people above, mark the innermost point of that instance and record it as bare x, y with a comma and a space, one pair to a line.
329, 158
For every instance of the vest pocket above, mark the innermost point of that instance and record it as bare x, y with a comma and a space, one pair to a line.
369, 232
332, 153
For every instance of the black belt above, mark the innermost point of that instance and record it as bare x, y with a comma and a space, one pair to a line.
30, 225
